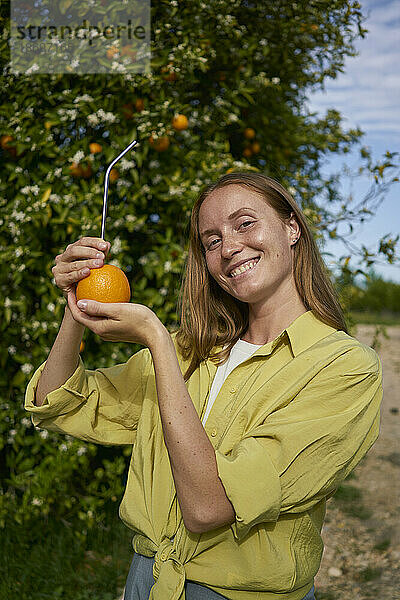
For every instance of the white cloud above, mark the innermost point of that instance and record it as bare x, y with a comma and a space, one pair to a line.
367, 94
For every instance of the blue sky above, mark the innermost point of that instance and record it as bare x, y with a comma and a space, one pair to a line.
368, 96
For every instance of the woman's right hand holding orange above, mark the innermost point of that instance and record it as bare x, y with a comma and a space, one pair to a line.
76, 261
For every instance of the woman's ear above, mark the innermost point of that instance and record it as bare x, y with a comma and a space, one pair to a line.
294, 227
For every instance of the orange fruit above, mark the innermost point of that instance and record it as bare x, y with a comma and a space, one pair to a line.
95, 148
247, 152
249, 133
139, 104
111, 52
169, 75
255, 147
5, 140
127, 109
86, 171
82, 347
75, 170
114, 175
179, 122
5, 144
128, 51
160, 144
230, 170
106, 284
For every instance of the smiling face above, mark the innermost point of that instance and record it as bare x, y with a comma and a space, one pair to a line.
236, 224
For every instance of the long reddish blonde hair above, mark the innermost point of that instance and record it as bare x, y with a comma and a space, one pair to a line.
211, 317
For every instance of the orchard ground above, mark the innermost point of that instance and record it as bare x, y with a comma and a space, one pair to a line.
361, 534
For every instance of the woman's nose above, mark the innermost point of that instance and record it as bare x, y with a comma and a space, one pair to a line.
230, 245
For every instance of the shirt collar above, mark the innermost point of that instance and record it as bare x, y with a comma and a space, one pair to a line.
302, 333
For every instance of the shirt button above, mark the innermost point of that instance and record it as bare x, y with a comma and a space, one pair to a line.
232, 390
163, 556
214, 432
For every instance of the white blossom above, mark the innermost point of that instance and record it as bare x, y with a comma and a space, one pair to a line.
32, 69
51, 307
117, 245
109, 116
63, 447
7, 303
167, 266
44, 434
34, 189
275, 80
78, 156
126, 164
12, 349
37, 501
163, 291
83, 98
143, 260
27, 368
81, 450
26, 422
93, 119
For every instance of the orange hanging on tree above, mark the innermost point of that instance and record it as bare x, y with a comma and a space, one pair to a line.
180, 122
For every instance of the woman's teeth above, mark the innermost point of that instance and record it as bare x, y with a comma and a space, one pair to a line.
244, 267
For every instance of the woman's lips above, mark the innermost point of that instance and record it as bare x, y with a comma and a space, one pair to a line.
247, 271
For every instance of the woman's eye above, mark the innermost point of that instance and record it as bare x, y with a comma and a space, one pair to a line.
241, 224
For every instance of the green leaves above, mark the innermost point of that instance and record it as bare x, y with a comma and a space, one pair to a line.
226, 67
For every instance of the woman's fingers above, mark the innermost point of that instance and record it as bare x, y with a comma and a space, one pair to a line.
76, 261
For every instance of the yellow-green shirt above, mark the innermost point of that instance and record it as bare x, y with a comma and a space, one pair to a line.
288, 425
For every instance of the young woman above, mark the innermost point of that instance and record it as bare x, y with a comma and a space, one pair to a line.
243, 422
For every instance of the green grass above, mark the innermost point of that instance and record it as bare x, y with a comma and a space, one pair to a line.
349, 499
383, 545
47, 561
370, 318
369, 574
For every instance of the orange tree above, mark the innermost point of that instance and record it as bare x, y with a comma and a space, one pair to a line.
226, 91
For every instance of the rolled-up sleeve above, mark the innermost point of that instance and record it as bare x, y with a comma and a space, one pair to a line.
101, 406
301, 453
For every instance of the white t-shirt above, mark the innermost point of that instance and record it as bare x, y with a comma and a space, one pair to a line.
240, 352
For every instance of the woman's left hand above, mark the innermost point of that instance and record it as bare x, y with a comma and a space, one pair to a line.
118, 321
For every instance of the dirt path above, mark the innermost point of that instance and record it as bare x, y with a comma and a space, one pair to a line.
362, 553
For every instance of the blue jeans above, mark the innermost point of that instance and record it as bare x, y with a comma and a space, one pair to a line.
140, 580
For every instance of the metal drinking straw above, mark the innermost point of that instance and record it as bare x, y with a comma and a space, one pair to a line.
106, 179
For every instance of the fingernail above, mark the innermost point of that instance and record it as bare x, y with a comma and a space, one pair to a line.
103, 245
82, 304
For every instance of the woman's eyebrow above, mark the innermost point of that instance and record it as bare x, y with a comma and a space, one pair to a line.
232, 216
